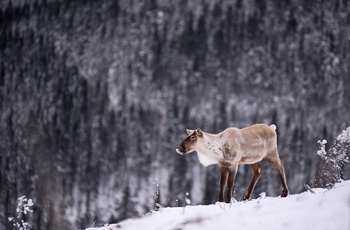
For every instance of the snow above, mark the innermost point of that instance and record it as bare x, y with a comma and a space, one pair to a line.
344, 137
322, 151
324, 209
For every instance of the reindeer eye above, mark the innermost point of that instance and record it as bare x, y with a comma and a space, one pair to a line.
193, 138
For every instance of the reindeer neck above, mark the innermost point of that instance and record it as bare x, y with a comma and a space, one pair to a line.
211, 144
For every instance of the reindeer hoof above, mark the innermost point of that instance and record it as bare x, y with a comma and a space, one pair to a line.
245, 197
284, 193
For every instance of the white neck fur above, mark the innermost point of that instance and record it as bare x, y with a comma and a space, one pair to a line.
209, 150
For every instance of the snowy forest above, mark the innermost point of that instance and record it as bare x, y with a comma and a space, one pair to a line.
95, 96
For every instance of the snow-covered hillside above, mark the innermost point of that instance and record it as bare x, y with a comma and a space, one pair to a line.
324, 209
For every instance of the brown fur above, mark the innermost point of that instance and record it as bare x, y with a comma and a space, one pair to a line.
235, 146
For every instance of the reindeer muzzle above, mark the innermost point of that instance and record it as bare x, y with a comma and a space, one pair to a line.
179, 151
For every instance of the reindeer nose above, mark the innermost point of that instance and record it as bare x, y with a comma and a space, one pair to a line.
179, 151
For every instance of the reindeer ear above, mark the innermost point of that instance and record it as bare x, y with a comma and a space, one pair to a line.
189, 131
199, 132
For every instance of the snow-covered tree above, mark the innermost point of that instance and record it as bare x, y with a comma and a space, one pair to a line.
331, 164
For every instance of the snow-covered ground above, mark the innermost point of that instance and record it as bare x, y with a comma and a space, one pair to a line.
324, 209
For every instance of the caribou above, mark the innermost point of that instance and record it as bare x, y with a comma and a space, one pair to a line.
233, 147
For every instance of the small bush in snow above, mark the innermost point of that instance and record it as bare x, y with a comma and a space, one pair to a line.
23, 207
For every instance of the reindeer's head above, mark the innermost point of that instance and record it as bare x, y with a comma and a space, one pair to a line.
190, 143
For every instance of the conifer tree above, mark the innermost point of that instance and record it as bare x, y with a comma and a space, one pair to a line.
126, 208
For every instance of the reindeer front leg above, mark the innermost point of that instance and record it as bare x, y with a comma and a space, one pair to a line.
231, 181
223, 182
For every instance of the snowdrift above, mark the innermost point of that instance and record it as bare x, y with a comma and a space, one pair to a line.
324, 209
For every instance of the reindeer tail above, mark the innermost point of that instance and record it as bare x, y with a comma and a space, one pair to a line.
273, 127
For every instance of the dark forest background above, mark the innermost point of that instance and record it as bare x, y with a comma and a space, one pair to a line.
96, 95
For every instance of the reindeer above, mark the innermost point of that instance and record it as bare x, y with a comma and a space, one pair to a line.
232, 147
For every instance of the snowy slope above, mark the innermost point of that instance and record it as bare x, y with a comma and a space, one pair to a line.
326, 209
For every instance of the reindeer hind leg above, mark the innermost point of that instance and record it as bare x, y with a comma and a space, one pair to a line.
256, 175
275, 160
